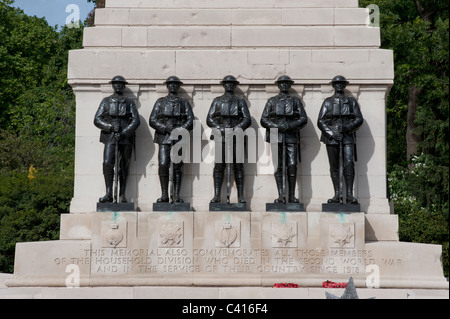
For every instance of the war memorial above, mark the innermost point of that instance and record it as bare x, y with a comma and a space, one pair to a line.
163, 87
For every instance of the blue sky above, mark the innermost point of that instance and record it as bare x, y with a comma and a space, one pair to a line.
54, 11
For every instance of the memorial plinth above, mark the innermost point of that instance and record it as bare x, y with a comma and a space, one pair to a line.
224, 249
201, 41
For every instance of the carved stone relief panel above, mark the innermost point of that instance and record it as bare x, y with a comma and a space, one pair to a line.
171, 234
114, 234
341, 235
228, 234
284, 234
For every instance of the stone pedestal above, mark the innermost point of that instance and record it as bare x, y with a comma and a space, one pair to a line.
230, 207
285, 207
224, 249
341, 208
171, 207
201, 41
116, 207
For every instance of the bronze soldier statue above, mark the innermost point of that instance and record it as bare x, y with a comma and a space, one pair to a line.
339, 118
228, 112
169, 113
118, 119
285, 113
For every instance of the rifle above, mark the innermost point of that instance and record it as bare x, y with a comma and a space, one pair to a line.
341, 172
228, 167
283, 136
172, 174
116, 150
116, 168
228, 145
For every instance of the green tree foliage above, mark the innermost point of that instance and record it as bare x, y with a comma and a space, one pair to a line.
35, 98
418, 117
422, 204
30, 210
20, 65
419, 98
37, 128
91, 16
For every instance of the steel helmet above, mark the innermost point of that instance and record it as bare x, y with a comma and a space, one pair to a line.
284, 78
229, 78
118, 79
172, 79
339, 78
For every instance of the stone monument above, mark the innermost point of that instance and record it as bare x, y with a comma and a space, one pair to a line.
257, 41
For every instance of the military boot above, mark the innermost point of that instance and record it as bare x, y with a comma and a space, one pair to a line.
108, 174
292, 179
350, 199
177, 185
335, 180
123, 187
218, 179
279, 181
164, 181
239, 178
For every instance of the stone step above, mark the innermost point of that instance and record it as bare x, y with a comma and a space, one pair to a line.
218, 293
232, 4
3, 279
232, 37
208, 17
